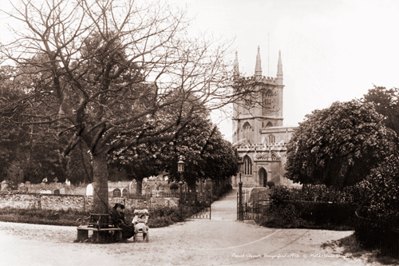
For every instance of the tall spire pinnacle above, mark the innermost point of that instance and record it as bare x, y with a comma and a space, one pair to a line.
236, 68
258, 67
279, 70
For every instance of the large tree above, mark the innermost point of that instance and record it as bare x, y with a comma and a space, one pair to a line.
107, 70
339, 145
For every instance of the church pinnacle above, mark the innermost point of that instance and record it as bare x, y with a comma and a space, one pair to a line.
258, 67
236, 68
279, 70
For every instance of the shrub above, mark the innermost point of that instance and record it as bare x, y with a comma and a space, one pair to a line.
381, 192
222, 191
228, 187
291, 207
282, 215
270, 184
281, 194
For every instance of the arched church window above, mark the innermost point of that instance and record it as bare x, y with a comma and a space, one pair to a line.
246, 126
269, 124
247, 131
247, 165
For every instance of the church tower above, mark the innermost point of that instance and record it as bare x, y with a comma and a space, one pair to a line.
263, 108
258, 132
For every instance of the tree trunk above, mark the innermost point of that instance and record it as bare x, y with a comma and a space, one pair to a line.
139, 186
100, 184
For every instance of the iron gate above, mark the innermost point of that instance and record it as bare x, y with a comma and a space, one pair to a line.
197, 205
253, 206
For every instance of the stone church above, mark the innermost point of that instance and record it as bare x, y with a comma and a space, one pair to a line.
258, 130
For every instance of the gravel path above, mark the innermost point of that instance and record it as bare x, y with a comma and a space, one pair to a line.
220, 241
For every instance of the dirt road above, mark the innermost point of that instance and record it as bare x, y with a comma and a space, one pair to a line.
220, 241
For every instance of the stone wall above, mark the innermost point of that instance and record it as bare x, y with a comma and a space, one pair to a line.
76, 202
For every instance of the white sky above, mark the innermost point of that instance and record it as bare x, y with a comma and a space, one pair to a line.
332, 50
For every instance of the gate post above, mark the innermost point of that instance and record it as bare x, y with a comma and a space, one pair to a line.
181, 198
240, 210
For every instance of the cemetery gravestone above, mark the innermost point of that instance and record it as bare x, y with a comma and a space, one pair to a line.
57, 192
4, 186
124, 192
89, 190
117, 193
132, 187
62, 191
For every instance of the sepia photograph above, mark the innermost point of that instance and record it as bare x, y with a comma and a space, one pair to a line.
187, 132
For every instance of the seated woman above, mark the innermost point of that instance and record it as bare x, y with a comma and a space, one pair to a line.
118, 220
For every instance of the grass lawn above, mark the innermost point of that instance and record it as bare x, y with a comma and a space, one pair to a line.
160, 217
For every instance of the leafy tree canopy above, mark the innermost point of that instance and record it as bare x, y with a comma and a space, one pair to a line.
386, 102
206, 155
339, 145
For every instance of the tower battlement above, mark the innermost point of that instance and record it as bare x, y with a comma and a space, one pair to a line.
263, 79
262, 147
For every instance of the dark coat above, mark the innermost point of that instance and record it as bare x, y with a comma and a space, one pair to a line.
118, 220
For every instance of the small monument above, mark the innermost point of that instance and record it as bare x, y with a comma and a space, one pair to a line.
57, 192
116, 193
124, 192
89, 190
132, 186
62, 191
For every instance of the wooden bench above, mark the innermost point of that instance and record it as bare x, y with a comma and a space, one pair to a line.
83, 232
